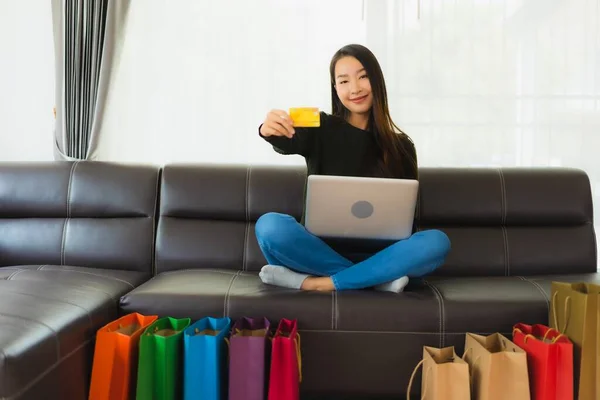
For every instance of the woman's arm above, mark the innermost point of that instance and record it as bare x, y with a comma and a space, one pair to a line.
300, 143
279, 131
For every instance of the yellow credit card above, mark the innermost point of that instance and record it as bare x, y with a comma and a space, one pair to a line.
305, 117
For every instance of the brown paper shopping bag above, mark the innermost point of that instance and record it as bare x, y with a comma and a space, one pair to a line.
574, 312
498, 368
445, 375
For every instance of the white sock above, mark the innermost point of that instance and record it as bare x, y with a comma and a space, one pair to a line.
281, 276
395, 286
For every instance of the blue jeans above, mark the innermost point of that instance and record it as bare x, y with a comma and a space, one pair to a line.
287, 243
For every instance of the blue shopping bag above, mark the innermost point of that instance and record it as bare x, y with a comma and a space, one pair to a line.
205, 359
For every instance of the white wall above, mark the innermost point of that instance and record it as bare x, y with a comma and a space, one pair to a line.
26, 80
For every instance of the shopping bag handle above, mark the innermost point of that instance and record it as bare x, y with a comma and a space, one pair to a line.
298, 356
530, 335
567, 312
298, 353
412, 377
556, 337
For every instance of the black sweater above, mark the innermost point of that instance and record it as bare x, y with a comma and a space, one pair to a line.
338, 148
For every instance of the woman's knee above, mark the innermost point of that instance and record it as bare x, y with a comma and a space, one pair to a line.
435, 246
437, 242
271, 226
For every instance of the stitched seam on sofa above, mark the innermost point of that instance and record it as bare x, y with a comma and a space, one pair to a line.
46, 372
91, 273
245, 250
226, 300
508, 272
64, 233
440, 300
505, 243
503, 221
503, 194
41, 267
9, 268
540, 289
14, 273
332, 311
246, 231
154, 225
336, 309
443, 321
39, 323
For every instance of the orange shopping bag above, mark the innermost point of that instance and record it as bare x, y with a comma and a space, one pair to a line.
116, 357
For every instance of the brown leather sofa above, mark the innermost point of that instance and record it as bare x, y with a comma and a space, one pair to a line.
76, 238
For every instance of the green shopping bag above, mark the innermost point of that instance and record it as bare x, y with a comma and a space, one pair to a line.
160, 358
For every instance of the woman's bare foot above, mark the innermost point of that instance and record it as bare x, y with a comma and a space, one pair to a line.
321, 284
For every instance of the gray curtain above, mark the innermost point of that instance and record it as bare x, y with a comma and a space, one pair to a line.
88, 35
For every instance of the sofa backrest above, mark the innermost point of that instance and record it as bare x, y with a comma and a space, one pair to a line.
87, 214
208, 213
506, 221
511, 221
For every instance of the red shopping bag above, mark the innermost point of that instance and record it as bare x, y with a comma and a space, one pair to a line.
549, 359
286, 363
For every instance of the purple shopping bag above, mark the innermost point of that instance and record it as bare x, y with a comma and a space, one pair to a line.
248, 355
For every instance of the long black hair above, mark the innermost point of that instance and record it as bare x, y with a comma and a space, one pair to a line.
393, 155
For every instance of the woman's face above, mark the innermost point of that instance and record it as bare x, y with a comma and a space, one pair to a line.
352, 85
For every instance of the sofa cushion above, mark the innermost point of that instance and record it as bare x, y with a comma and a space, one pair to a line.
48, 313
491, 304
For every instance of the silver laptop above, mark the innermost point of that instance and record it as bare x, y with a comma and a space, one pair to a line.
360, 208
